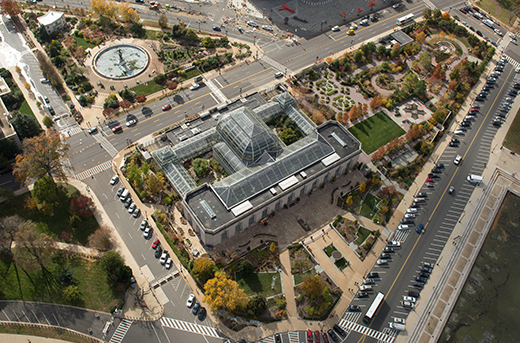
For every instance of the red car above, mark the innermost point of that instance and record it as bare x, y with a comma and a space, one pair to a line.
156, 243
325, 338
317, 336
166, 107
309, 336
430, 180
117, 128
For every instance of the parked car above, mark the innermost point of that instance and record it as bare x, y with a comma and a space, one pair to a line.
316, 336
309, 336
120, 191
393, 243
158, 252
419, 285
156, 243
147, 232
381, 262
385, 256
132, 208
354, 308
195, 308
387, 250
333, 335
202, 314
324, 335
421, 279
339, 330
410, 299
136, 213
374, 274
413, 294
128, 202
189, 302
144, 224
164, 257
114, 179
368, 281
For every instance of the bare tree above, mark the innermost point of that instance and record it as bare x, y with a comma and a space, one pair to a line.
101, 239
9, 226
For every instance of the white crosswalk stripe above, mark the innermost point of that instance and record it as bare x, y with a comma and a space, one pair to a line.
401, 235
121, 331
430, 4
189, 327
511, 60
389, 332
71, 130
293, 337
216, 91
383, 337
105, 144
275, 64
94, 170
269, 339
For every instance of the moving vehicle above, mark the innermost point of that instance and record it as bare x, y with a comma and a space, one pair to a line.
216, 28
364, 22
333, 335
451, 189
373, 308
93, 130
195, 86
395, 5
131, 122
166, 107
335, 28
354, 308
278, 74
117, 128
405, 19
457, 160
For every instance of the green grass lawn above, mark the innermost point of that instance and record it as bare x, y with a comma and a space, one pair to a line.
329, 250
191, 74
148, 89
52, 225
342, 263
376, 131
368, 209
260, 283
497, 11
512, 141
298, 278
26, 109
362, 234
82, 42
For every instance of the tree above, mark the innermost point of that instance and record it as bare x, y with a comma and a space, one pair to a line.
396, 50
246, 267
358, 56
437, 14
101, 239
349, 200
420, 37
172, 85
128, 14
354, 113
125, 104
115, 268
208, 42
163, 21
42, 155
47, 121
71, 294
82, 206
288, 136
48, 68
203, 269
154, 183
359, 10
140, 98
45, 192
313, 286
26, 126
222, 293
9, 226
376, 102
427, 14
137, 30
371, 4
272, 248
425, 60
10, 8
363, 187
257, 305
200, 167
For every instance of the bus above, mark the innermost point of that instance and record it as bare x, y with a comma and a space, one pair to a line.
405, 19
373, 308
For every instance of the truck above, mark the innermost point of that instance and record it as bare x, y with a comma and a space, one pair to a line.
488, 23
475, 179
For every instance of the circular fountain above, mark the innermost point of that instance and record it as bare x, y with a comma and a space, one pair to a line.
121, 61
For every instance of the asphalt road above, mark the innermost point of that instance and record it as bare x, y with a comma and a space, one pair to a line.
440, 213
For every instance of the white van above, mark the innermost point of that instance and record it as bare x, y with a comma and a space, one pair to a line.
397, 326
124, 195
475, 179
363, 22
403, 227
365, 288
411, 210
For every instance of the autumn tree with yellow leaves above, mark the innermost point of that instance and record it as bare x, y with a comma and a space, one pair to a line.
222, 293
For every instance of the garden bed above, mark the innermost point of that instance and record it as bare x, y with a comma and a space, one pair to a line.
260, 283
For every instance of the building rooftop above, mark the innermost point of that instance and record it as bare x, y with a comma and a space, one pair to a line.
49, 18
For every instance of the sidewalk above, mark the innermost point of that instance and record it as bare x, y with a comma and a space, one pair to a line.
12, 338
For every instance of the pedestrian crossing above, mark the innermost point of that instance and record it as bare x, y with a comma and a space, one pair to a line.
275, 65
105, 144
189, 327
216, 91
94, 170
269, 339
364, 330
293, 337
401, 235
389, 332
511, 60
72, 130
121, 331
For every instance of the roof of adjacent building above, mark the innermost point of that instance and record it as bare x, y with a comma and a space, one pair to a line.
49, 18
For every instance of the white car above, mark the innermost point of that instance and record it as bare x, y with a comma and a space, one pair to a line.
517, 69
267, 28
395, 5
147, 232
132, 208
114, 180
195, 86
407, 304
168, 263
410, 215
335, 28
512, 36
353, 26
459, 132
365, 288
393, 244
497, 31
164, 257
457, 160
131, 122
252, 23
190, 301
400, 320
143, 225
403, 227
381, 262
410, 299
411, 210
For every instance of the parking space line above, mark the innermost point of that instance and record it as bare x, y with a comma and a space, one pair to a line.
9, 319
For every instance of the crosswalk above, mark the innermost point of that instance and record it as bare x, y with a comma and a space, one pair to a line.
275, 64
72, 130
364, 330
216, 91
401, 235
269, 339
121, 331
105, 144
94, 170
511, 60
389, 332
189, 327
293, 337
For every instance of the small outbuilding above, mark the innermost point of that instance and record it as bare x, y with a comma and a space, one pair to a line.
52, 21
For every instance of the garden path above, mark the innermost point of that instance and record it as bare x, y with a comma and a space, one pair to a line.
288, 286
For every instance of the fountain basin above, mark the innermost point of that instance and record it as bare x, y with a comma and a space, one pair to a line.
120, 62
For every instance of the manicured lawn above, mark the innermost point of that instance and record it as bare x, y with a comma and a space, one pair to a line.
148, 89
298, 278
260, 283
512, 141
82, 42
342, 263
368, 209
191, 74
55, 225
151, 34
26, 109
362, 234
376, 131
329, 250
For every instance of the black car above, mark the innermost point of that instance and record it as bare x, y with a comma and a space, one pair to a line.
419, 285
128, 202
385, 256
479, 33
366, 17
486, 88
472, 28
427, 269
388, 250
202, 314
120, 191
513, 91
516, 86
354, 308
465, 124
513, 94
414, 205
339, 330
497, 123
195, 308
453, 145
373, 19
424, 274
413, 294
158, 251
436, 170
373, 275
333, 335
421, 279
478, 98
407, 221
277, 338
362, 294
